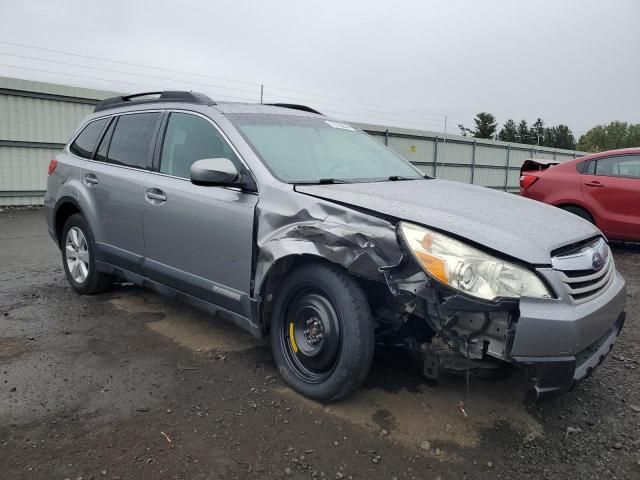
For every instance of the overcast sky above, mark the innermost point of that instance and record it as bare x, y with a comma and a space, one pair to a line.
388, 62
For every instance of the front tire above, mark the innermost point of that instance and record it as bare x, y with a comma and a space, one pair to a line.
322, 332
78, 258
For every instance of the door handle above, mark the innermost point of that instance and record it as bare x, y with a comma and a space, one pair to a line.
594, 183
90, 179
155, 196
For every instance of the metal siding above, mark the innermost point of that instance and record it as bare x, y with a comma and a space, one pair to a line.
514, 179
455, 152
54, 89
518, 157
24, 168
564, 158
37, 120
489, 177
546, 155
21, 201
452, 172
491, 155
378, 136
402, 146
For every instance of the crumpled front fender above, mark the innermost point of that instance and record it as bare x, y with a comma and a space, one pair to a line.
301, 224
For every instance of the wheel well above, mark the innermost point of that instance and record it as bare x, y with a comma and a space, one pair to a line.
63, 212
579, 207
275, 277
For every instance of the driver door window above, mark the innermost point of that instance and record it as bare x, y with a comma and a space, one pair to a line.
189, 138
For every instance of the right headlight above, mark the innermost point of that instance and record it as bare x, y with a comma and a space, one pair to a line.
468, 269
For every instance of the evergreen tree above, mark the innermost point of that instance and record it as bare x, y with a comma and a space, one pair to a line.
523, 132
486, 126
537, 132
564, 137
548, 138
509, 131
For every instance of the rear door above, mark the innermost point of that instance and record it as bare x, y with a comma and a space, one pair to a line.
611, 185
115, 180
199, 239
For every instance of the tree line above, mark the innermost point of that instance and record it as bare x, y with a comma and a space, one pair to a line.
486, 126
599, 138
610, 137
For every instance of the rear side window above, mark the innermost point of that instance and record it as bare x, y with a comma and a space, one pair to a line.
84, 143
101, 153
619, 166
131, 143
189, 138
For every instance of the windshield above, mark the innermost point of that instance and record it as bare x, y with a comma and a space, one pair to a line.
300, 149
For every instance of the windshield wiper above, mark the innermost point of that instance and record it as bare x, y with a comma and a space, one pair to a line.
329, 181
322, 181
395, 178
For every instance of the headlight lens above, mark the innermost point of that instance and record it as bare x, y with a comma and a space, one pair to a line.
468, 269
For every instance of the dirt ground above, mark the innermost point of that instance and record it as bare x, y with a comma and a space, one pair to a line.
129, 385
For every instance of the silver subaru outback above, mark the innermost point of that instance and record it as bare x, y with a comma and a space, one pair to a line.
296, 225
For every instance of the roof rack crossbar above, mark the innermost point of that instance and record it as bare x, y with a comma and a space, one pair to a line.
295, 106
163, 96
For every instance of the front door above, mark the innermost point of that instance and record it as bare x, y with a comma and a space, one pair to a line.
199, 239
613, 185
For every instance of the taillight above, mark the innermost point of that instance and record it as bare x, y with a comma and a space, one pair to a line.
52, 165
527, 180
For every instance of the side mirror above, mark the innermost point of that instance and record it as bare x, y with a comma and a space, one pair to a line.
215, 171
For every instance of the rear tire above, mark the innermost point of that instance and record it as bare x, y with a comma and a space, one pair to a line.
579, 211
322, 332
78, 257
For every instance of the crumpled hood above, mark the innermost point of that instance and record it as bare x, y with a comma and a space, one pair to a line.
521, 228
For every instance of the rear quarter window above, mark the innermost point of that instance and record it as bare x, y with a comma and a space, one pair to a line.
85, 143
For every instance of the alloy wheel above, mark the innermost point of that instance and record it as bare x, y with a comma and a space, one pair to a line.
77, 255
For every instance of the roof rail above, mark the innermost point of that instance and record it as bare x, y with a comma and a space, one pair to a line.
295, 106
166, 96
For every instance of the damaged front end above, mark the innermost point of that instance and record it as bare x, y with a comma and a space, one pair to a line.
431, 317
445, 330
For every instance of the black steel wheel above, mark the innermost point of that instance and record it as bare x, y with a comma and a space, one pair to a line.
312, 335
322, 334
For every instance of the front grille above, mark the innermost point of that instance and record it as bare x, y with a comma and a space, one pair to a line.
584, 284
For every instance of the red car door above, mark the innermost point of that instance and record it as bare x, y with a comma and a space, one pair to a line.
611, 186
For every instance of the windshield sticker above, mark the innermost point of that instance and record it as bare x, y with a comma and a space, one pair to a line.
343, 126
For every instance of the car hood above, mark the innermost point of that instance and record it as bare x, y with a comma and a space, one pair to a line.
518, 227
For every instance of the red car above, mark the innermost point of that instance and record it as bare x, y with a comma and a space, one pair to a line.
603, 188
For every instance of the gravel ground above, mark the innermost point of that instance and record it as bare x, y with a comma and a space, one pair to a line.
129, 385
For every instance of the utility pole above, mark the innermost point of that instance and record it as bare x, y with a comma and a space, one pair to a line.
261, 93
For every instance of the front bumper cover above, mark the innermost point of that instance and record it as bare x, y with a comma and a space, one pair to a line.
551, 376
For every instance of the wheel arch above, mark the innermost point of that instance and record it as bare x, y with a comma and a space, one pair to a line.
577, 205
272, 280
65, 207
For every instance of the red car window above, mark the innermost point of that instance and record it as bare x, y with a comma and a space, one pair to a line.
619, 166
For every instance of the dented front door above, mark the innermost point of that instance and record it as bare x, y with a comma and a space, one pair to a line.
198, 239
